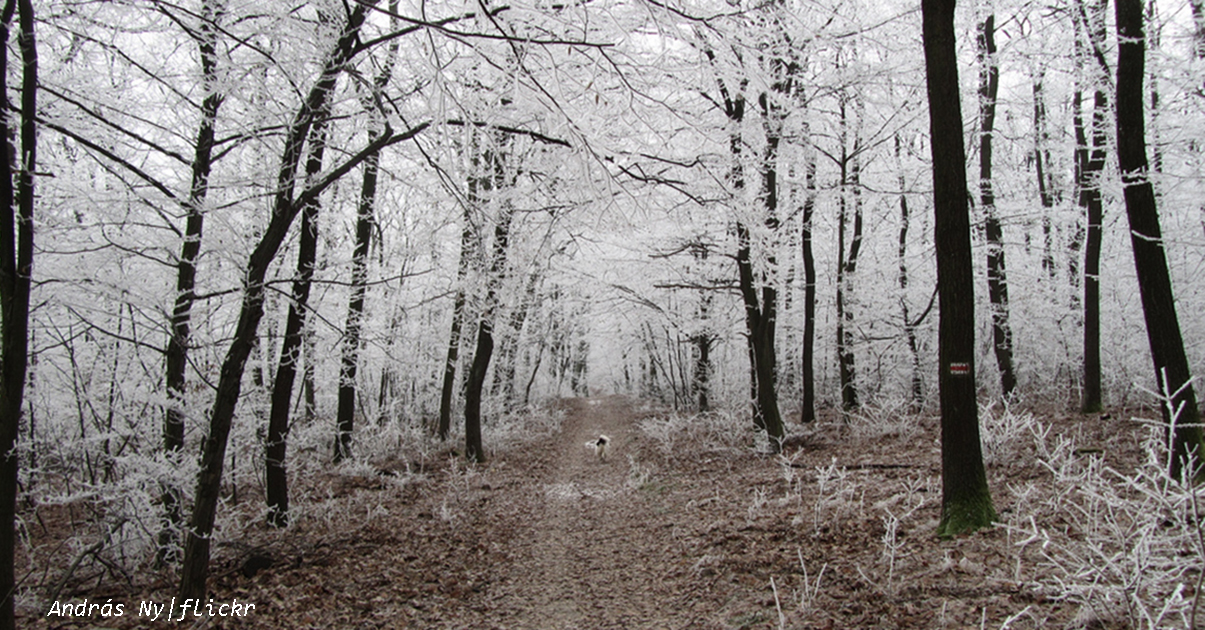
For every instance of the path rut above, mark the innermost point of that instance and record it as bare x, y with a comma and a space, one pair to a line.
585, 557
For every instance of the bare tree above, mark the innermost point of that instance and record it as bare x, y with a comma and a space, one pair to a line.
966, 501
276, 479
16, 270
997, 280
176, 354
1172, 372
285, 207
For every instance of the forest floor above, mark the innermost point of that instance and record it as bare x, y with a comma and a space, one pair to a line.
684, 525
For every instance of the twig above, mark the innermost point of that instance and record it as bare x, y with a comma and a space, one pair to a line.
90, 550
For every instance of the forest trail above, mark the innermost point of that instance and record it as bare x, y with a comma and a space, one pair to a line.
585, 556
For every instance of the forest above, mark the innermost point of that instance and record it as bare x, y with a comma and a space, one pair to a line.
312, 314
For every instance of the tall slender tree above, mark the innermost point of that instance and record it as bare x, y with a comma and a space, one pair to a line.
1091, 21
1172, 372
176, 354
16, 270
496, 178
808, 373
966, 501
997, 280
350, 355
276, 474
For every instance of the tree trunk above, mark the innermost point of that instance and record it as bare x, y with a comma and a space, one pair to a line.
495, 178
1041, 159
468, 249
966, 501
195, 568
997, 281
1090, 199
349, 361
918, 384
808, 411
16, 267
350, 358
702, 340
1154, 281
847, 260
176, 356
276, 476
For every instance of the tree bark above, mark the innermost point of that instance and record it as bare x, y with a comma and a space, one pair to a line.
16, 268
847, 260
176, 355
350, 356
966, 501
276, 474
997, 280
1172, 372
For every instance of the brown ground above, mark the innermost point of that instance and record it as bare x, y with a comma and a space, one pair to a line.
545, 536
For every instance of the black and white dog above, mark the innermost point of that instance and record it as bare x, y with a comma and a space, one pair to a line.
600, 446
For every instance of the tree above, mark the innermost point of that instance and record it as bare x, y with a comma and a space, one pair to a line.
966, 501
349, 361
997, 280
1091, 167
1172, 372
276, 476
807, 412
176, 353
495, 177
16, 270
285, 206
850, 163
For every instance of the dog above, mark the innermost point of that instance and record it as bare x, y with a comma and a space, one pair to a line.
600, 447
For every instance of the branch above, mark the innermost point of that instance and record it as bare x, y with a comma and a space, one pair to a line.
388, 138
535, 135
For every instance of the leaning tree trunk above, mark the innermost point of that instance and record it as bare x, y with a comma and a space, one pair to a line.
997, 280
1154, 281
468, 250
195, 568
176, 355
16, 267
966, 501
276, 475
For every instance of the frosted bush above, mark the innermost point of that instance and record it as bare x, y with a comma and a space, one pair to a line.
1127, 548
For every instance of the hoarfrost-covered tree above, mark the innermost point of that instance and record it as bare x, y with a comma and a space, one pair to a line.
966, 502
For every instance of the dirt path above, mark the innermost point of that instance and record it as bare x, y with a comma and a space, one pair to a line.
584, 556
